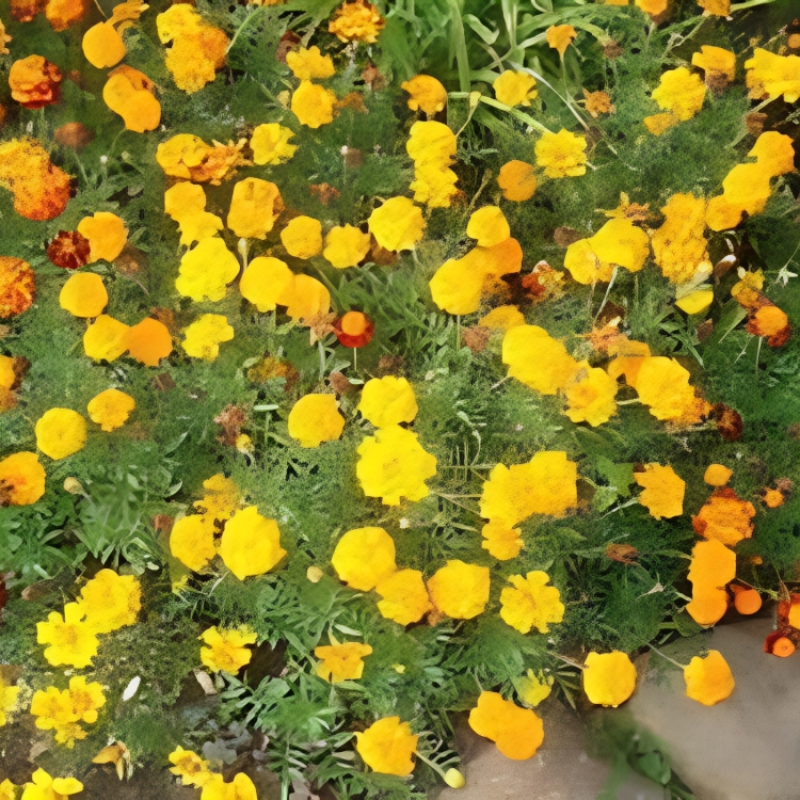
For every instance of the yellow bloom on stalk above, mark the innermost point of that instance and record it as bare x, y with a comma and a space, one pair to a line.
309, 64
83, 295
561, 154
392, 464
191, 541
387, 746
250, 544
110, 409
226, 649
560, 37
189, 767
709, 680
315, 419
186, 204
302, 237
130, 94
404, 597
72, 640
102, 44
609, 679
313, 104
359, 21
60, 432
679, 245
267, 282
514, 88
517, 180
240, 788
716, 8
345, 246
8, 701
517, 732
22, 479
426, 94
111, 601
718, 63
221, 498
45, 787
364, 557
270, 144
663, 491
255, 205
206, 271
460, 590
106, 233
537, 360
770, 76
86, 699
202, 338
342, 662
489, 226
397, 225
652, 7
388, 401
531, 603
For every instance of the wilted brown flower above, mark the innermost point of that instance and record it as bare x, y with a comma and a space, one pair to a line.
69, 250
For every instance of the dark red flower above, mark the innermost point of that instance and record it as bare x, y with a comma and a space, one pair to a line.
353, 329
69, 250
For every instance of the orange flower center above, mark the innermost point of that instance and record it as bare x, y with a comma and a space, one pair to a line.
354, 323
783, 647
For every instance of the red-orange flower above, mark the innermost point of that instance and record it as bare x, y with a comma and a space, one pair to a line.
35, 82
353, 329
17, 286
69, 250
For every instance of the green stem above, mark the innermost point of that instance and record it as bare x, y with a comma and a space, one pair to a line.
666, 658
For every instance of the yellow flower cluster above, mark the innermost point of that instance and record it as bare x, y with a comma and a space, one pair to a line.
681, 94
226, 649
63, 711
771, 76
432, 147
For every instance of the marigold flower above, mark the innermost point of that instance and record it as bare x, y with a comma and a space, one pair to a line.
392, 464
619, 243
501, 541
713, 564
315, 419
22, 479
111, 601
680, 92
35, 82
72, 641
426, 94
460, 590
404, 597
60, 432
353, 329
189, 767
44, 787
708, 605
388, 401
255, 205
531, 603
54, 711
198, 49
17, 286
397, 224
746, 601
598, 103
7, 789
206, 270
106, 233
191, 541
203, 337
270, 143
129, 93
663, 491
387, 745
188, 157
267, 282
489, 226
590, 396
725, 517
561, 154
309, 64
226, 650
364, 557
313, 104
770, 76
747, 188
307, 299
69, 250
302, 237
185, 203
359, 21
342, 662
697, 301
717, 475
560, 37
149, 341
83, 295
514, 88
609, 678
517, 732
432, 146
537, 360
221, 499
663, 384
346, 246
240, 788
709, 680
517, 180
716, 8
250, 544
102, 44
105, 339
502, 318
8, 702
775, 154
110, 409
718, 63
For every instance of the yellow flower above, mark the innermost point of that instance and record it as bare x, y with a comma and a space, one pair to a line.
302, 237
83, 295
45, 787
663, 491
775, 153
716, 8
679, 245
8, 702
514, 88
189, 767
313, 105
680, 92
129, 93
221, 498
663, 385
198, 49
718, 63
267, 282
307, 299
388, 401
609, 679
517, 181
364, 557
770, 76
111, 601
255, 205
227, 648
560, 37
149, 341
501, 541
531, 603
489, 226
110, 409
426, 94
54, 711
709, 680
432, 146
315, 419
188, 157
186, 203
460, 590
502, 318
202, 338
106, 233
717, 475
725, 517
191, 541
359, 21
517, 732
240, 788
652, 7
72, 641
561, 154
346, 246
590, 396
270, 143
22, 479
537, 360
746, 188
392, 464
250, 544
405, 599
86, 699
545, 485
598, 103
619, 243
7, 789
105, 339
309, 64
397, 224
533, 688
60, 432
206, 270
387, 746
342, 662
697, 301
102, 44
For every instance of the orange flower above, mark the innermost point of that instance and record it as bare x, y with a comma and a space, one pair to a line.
426, 94
106, 233
149, 341
129, 93
517, 732
353, 329
359, 21
188, 157
102, 44
22, 479
35, 82
663, 491
709, 680
517, 180
560, 37
725, 517
17, 286
106, 339
717, 475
